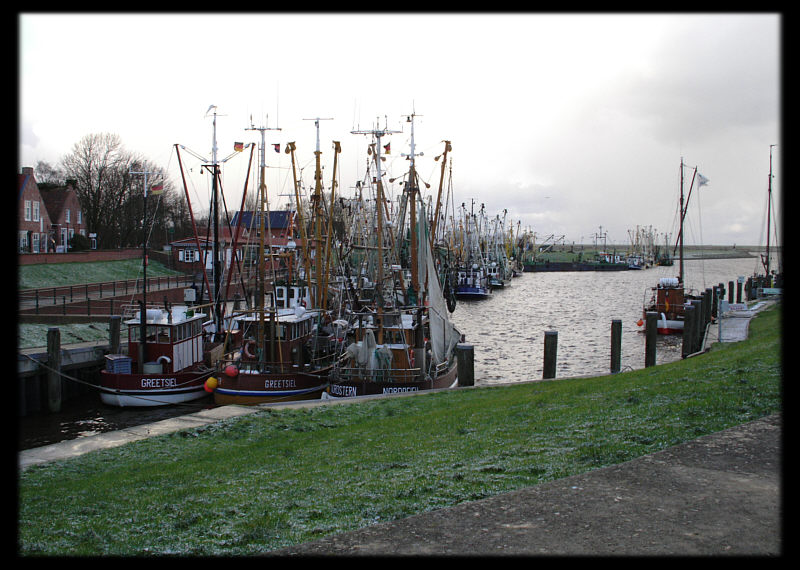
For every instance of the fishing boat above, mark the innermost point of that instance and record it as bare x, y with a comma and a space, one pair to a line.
168, 360
498, 267
770, 282
669, 297
170, 351
278, 355
399, 347
283, 349
472, 276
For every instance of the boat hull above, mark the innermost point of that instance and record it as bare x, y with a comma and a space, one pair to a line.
254, 388
472, 293
548, 266
149, 390
669, 326
366, 387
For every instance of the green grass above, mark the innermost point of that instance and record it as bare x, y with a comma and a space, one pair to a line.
280, 477
60, 274
64, 274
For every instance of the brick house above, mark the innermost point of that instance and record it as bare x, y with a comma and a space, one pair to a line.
33, 220
47, 216
66, 216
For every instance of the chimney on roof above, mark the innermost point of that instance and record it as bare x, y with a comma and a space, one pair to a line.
27, 170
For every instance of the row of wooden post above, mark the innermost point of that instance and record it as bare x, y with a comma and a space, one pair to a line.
698, 313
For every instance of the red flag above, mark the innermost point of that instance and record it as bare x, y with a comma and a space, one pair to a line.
238, 147
277, 147
387, 148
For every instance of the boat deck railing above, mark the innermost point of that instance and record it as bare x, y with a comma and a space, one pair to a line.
345, 374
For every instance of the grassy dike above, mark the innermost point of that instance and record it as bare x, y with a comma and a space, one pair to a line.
285, 476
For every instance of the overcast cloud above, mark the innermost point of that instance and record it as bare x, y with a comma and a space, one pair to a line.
568, 122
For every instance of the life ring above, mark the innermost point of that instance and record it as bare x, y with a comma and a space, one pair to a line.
246, 349
302, 302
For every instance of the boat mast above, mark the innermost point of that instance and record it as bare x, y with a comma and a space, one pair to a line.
264, 210
435, 225
215, 224
683, 210
143, 311
769, 210
317, 213
680, 231
376, 149
413, 188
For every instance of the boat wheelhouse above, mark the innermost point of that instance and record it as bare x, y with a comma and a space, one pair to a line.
167, 361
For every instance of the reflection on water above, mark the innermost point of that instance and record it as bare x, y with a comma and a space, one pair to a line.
507, 331
86, 415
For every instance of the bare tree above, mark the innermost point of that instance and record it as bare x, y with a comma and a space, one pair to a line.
99, 164
48, 174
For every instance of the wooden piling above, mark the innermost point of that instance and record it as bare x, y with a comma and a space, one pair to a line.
550, 354
651, 333
54, 369
688, 330
113, 334
465, 354
699, 326
616, 345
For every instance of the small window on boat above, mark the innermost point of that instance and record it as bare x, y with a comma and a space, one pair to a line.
162, 335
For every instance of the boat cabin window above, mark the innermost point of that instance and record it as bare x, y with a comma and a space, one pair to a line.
155, 334
162, 335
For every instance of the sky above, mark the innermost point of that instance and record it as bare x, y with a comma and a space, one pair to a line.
569, 125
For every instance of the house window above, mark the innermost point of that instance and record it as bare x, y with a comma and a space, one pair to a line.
23, 241
80, 218
188, 255
66, 217
27, 210
35, 237
36, 211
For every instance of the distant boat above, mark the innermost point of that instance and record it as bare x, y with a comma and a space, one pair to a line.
472, 276
668, 298
771, 282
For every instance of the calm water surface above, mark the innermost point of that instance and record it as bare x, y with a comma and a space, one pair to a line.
506, 330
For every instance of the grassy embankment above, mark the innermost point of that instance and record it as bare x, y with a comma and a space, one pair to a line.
281, 476
64, 274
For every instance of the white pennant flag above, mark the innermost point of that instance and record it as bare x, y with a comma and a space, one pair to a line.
701, 180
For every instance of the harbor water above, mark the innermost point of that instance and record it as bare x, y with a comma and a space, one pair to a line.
506, 330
